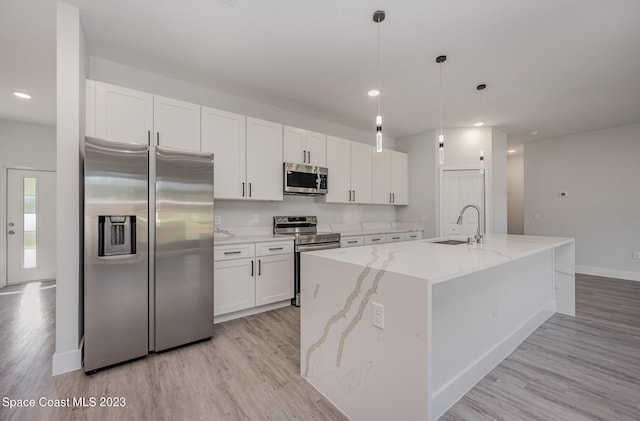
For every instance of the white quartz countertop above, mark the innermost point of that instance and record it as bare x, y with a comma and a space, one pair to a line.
440, 262
374, 231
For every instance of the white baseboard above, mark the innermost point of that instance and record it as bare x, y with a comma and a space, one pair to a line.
250, 311
64, 362
445, 397
608, 273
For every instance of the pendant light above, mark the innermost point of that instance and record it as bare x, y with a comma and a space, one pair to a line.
440, 60
378, 16
481, 88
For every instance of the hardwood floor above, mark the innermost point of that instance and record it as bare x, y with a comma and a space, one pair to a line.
580, 368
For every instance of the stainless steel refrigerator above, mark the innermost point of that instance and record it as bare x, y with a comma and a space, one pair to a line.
148, 250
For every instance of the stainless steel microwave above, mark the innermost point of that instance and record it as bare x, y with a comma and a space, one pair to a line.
305, 179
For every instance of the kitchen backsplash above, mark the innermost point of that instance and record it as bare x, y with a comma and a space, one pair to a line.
237, 213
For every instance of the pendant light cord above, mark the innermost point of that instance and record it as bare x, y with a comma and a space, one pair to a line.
440, 98
379, 90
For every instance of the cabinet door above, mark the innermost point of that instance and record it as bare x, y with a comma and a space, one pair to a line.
361, 172
400, 178
264, 160
293, 149
338, 162
233, 286
90, 108
176, 123
275, 279
123, 114
316, 148
381, 177
223, 133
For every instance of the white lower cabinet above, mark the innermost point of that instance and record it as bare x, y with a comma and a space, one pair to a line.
352, 241
233, 286
275, 279
247, 276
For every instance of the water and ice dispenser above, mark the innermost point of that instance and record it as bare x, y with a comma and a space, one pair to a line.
116, 235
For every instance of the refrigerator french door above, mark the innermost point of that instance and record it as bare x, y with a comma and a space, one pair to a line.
148, 252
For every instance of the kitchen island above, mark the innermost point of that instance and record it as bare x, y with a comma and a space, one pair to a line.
447, 315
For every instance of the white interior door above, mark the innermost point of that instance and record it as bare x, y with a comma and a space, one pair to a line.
461, 188
31, 225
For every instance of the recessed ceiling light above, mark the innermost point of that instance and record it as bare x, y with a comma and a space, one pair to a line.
479, 124
533, 133
373, 92
22, 95
511, 151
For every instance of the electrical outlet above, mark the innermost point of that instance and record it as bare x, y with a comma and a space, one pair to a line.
256, 219
377, 312
217, 220
635, 255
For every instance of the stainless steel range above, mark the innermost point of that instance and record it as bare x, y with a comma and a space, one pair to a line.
306, 238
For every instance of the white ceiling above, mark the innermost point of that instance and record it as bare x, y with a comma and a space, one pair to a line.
555, 67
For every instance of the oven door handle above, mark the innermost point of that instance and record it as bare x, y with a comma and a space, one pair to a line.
321, 246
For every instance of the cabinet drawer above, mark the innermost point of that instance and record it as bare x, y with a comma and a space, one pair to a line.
352, 241
417, 235
392, 238
374, 239
235, 251
275, 247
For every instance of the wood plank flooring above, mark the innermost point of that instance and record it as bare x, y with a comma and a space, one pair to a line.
583, 368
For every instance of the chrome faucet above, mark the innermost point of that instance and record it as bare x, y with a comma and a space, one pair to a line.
478, 236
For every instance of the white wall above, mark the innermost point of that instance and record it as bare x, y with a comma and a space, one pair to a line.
515, 194
462, 151
22, 145
71, 63
600, 171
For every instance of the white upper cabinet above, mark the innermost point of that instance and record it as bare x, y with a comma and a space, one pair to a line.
339, 165
349, 166
127, 115
399, 178
390, 177
304, 147
176, 123
381, 177
223, 133
264, 160
361, 172
120, 113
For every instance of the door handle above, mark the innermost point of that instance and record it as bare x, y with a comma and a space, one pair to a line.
259, 267
11, 232
252, 268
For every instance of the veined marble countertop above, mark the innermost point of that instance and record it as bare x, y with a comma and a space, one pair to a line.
441, 262
224, 237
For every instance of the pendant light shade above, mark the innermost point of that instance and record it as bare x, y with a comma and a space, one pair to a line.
440, 60
378, 16
481, 88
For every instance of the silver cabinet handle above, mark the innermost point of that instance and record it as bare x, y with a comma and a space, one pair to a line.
395, 238
227, 253
309, 157
249, 189
243, 189
354, 195
304, 156
393, 197
158, 138
259, 267
11, 232
275, 248
252, 268
149, 137
375, 239
352, 242
11, 224
390, 199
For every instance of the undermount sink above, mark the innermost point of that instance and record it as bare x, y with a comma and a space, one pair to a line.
450, 242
